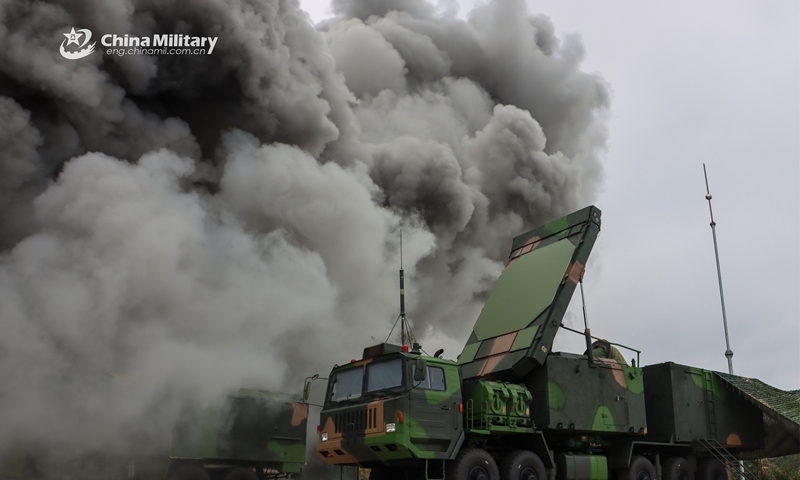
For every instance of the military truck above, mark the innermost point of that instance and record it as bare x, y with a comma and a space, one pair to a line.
511, 409
253, 435
257, 435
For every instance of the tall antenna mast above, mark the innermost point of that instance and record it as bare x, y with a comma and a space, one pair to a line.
728, 352
405, 330
402, 296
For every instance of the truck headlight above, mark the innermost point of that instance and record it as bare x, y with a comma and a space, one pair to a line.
390, 427
324, 436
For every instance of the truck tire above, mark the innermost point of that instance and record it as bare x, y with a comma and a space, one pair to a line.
240, 473
639, 469
472, 464
189, 472
677, 468
522, 465
711, 469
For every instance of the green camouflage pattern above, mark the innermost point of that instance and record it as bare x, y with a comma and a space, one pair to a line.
427, 422
515, 330
252, 425
691, 404
572, 395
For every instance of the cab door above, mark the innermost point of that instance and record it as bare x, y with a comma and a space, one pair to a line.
434, 405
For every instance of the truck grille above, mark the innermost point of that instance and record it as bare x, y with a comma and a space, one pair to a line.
360, 420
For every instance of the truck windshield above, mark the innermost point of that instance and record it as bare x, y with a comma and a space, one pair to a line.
347, 385
385, 375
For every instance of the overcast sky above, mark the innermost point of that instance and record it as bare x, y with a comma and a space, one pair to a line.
693, 83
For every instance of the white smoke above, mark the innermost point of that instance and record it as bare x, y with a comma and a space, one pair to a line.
174, 227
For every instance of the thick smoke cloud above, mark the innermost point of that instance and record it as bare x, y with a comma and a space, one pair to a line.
175, 226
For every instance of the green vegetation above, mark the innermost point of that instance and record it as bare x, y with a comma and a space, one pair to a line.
782, 468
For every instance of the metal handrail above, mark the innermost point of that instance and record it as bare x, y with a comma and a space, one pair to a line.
638, 352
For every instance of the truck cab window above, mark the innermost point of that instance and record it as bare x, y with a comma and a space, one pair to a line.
384, 375
347, 384
434, 380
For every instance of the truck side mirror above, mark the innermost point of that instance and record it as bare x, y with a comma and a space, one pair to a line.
420, 370
307, 386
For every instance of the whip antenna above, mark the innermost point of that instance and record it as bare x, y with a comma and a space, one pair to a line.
728, 352
402, 296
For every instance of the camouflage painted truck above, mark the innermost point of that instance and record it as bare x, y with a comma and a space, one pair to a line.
511, 409
253, 435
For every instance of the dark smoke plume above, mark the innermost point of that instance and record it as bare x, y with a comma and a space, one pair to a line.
176, 226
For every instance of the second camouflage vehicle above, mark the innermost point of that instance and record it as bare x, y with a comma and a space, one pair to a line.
251, 435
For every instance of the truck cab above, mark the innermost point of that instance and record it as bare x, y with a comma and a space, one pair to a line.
392, 407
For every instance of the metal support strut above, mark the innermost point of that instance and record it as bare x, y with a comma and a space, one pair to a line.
587, 333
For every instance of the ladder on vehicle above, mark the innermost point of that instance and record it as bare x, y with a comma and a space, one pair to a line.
727, 459
711, 413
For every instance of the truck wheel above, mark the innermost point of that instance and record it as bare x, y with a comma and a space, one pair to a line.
189, 472
522, 465
472, 464
240, 473
677, 468
712, 469
639, 469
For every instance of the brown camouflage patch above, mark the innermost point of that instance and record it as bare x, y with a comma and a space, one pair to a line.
299, 413
375, 422
617, 371
575, 272
733, 440
332, 452
529, 245
330, 429
374, 426
533, 241
503, 343
510, 263
490, 363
